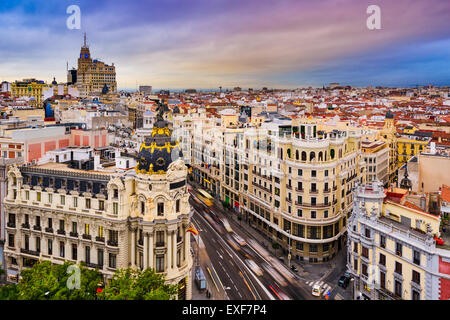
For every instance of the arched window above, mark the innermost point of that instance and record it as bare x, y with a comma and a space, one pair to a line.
296, 155
332, 153
325, 159
340, 153
289, 153
312, 156
320, 156
303, 155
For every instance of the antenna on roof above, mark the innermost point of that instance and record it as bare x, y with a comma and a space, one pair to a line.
85, 39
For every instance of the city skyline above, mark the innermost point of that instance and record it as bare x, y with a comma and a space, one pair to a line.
257, 44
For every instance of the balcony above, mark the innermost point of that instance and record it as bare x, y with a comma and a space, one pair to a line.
86, 236
11, 224
49, 230
25, 226
74, 234
37, 228
100, 239
289, 187
299, 190
289, 200
334, 188
112, 243
61, 232
159, 244
313, 191
93, 265
326, 190
31, 252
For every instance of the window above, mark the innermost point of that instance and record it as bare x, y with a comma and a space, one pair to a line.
61, 249
38, 244
159, 238
416, 258
112, 260
382, 280
160, 263
100, 231
326, 175
415, 295
300, 172
355, 247
88, 254
11, 240
63, 200
325, 247
398, 288
75, 202
398, 249
160, 208
299, 245
27, 242
115, 208
355, 265
299, 212
61, 225
177, 205
416, 276
313, 173
367, 232
313, 248
365, 252
382, 259
12, 218
101, 205
74, 252
86, 229
27, 195
50, 246
74, 227
38, 196
88, 203
364, 269
50, 198
325, 214
398, 267
382, 241
100, 257
313, 214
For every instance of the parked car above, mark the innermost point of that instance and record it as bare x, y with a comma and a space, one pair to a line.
347, 275
343, 282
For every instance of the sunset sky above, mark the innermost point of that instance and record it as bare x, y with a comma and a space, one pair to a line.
228, 43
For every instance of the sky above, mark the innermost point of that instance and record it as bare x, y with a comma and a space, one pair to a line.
248, 43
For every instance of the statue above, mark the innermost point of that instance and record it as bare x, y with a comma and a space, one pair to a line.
160, 110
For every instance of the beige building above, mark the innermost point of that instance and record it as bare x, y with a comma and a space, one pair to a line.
392, 253
106, 220
288, 179
376, 156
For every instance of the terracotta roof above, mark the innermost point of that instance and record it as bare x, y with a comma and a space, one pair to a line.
445, 194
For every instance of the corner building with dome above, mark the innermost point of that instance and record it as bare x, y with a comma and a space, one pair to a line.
108, 221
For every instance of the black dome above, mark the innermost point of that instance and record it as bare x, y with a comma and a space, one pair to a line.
158, 150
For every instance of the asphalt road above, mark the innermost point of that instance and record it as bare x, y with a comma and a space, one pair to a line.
229, 269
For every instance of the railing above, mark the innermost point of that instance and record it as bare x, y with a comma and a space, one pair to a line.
159, 244
100, 239
31, 252
93, 265
313, 191
326, 190
38, 228
74, 234
49, 230
61, 232
112, 243
11, 224
299, 190
87, 236
25, 225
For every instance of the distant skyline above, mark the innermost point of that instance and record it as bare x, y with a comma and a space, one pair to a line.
198, 44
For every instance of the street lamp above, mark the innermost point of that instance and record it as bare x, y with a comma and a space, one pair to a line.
352, 280
289, 247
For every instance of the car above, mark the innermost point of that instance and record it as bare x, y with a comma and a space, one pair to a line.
347, 274
316, 290
239, 239
294, 268
254, 267
343, 282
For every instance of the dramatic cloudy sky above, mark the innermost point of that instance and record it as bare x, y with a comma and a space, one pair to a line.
250, 43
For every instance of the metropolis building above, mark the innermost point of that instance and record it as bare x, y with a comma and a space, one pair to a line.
137, 218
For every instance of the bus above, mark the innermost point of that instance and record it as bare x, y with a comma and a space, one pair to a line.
205, 197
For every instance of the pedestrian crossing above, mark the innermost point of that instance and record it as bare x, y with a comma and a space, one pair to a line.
324, 287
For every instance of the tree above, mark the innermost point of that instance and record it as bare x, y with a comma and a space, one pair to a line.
46, 281
275, 246
135, 284
8, 292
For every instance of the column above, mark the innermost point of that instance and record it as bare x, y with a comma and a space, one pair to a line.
174, 249
186, 239
169, 249
133, 247
145, 250
151, 247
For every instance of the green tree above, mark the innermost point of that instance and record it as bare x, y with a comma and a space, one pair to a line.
275, 246
135, 284
9, 292
49, 281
